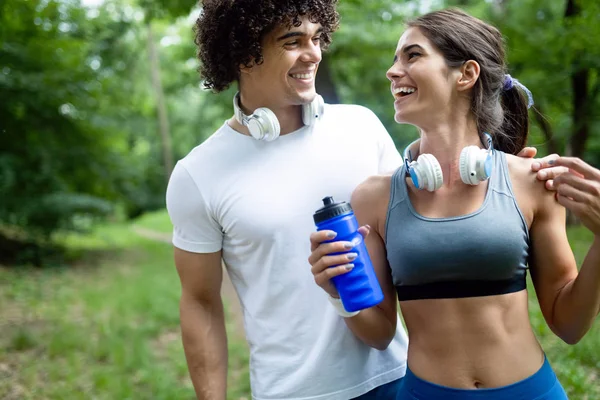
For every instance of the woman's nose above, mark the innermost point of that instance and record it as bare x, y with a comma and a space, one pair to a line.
394, 72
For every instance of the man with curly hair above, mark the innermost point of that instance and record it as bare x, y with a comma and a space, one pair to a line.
250, 202
246, 197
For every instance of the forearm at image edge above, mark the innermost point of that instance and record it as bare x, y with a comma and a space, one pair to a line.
205, 344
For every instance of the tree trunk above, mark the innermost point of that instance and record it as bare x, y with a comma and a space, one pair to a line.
579, 117
581, 120
579, 83
572, 9
161, 107
324, 82
546, 128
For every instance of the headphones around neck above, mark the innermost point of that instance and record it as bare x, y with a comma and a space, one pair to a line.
475, 166
263, 123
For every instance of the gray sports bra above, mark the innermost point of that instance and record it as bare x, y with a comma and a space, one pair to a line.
479, 254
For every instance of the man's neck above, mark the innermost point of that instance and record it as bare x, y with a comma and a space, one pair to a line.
289, 117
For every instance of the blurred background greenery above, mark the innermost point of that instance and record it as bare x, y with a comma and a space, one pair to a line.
99, 98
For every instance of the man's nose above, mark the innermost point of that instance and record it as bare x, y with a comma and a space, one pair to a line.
313, 53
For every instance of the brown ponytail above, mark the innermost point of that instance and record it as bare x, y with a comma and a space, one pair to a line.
515, 125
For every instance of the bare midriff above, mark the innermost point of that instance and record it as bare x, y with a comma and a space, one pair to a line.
472, 343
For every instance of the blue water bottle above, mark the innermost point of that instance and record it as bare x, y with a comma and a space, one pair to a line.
359, 287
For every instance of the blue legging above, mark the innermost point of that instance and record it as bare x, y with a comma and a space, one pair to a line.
543, 385
383, 392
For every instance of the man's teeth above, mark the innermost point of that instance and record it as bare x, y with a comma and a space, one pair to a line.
302, 76
404, 90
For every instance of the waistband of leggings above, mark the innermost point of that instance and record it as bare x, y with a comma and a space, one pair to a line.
536, 385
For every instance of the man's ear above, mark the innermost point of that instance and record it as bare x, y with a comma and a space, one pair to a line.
469, 73
246, 69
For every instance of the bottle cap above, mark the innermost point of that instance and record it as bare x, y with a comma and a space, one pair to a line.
331, 209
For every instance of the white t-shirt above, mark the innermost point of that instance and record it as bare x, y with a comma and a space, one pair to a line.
254, 200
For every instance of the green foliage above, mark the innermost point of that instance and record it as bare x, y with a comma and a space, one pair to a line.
78, 117
115, 338
77, 125
54, 161
156, 221
165, 8
545, 49
22, 340
362, 52
108, 329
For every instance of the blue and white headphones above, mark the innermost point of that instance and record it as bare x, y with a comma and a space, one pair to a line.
475, 166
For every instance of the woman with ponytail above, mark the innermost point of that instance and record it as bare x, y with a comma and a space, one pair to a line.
453, 233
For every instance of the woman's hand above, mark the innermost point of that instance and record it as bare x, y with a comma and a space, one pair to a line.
578, 190
331, 259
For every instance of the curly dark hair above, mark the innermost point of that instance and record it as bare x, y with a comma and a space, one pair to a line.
229, 33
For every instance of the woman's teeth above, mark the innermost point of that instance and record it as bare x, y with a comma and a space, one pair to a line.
403, 91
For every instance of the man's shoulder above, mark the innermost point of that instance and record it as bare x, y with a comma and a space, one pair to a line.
350, 110
354, 118
204, 163
208, 151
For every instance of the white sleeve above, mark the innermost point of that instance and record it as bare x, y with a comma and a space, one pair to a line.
194, 228
389, 157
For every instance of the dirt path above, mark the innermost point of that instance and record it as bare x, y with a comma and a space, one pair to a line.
230, 298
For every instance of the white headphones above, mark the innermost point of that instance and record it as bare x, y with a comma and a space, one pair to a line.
475, 166
263, 124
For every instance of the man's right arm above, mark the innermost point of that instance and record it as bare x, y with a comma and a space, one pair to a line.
202, 322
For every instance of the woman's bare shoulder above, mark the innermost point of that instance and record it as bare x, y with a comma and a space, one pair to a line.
522, 174
520, 166
526, 185
371, 189
370, 198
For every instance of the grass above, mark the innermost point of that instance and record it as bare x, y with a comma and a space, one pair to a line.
107, 327
157, 221
104, 328
578, 366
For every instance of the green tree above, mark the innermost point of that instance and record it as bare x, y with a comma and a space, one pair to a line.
155, 9
554, 48
363, 50
54, 155
74, 119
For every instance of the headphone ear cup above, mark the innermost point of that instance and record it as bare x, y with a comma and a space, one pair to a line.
263, 125
426, 173
486, 166
417, 179
463, 165
433, 170
313, 110
475, 165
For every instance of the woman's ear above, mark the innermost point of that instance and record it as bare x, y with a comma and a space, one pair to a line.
469, 73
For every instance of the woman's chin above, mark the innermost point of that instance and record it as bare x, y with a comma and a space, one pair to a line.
402, 119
